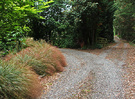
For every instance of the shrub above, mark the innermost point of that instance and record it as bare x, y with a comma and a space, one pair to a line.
99, 46
17, 81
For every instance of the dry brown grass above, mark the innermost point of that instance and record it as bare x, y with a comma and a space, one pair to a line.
34, 86
42, 57
58, 55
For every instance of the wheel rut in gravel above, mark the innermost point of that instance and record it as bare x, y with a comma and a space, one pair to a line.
107, 77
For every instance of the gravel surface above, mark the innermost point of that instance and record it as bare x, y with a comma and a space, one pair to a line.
107, 82
77, 70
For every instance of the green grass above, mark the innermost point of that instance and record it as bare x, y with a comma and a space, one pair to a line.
37, 65
15, 82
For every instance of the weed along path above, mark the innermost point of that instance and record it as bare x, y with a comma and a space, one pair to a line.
90, 76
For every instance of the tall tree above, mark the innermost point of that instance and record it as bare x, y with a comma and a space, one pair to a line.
95, 19
124, 22
76, 22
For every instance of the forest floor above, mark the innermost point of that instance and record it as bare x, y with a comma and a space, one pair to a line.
106, 73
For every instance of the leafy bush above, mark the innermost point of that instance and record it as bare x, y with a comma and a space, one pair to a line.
66, 41
99, 46
17, 82
14, 17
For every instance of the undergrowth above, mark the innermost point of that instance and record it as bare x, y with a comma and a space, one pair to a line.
17, 82
132, 43
42, 57
19, 72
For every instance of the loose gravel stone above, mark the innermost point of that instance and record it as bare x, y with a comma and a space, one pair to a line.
107, 82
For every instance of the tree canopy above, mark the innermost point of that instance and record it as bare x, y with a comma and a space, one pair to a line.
65, 23
71, 23
124, 22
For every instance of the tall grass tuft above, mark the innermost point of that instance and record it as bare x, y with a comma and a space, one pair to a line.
17, 82
18, 73
43, 58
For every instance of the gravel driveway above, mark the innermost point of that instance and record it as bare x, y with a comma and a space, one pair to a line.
107, 81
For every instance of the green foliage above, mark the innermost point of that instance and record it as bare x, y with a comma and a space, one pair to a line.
69, 24
15, 81
106, 16
92, 19
14, 17
55, 28
85, 21
124, 22
99, 46
64, 41
37, 65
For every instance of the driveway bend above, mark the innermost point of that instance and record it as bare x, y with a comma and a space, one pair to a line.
107, 82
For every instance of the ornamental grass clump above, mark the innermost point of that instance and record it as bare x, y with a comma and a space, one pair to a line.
18, 82
18, 73
41, 57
